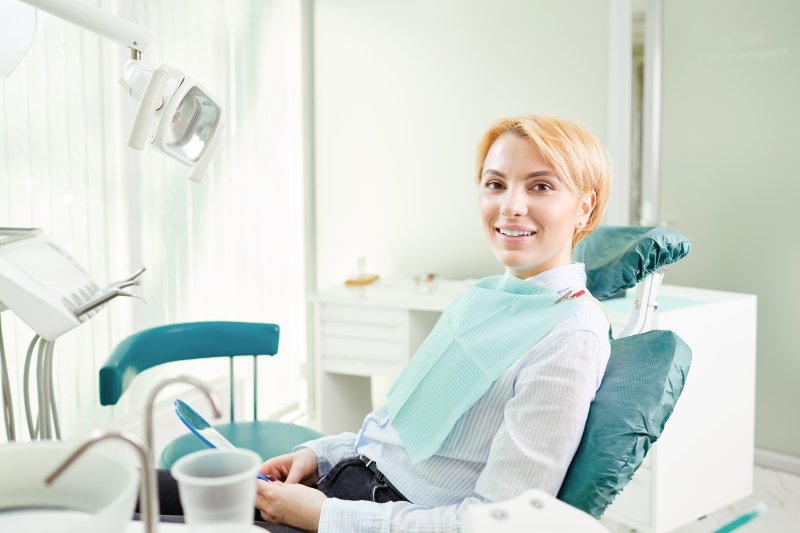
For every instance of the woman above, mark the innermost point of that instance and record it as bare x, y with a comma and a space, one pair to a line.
516, 361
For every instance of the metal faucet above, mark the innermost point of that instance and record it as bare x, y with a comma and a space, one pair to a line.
147, 494
148, 426
148, 498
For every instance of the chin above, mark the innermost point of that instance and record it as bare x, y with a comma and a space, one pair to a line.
516, 260
517, 266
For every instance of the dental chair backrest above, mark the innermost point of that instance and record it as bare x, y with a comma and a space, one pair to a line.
199, 340
646, 371
179, 342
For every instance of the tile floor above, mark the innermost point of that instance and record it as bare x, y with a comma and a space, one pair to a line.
779, 490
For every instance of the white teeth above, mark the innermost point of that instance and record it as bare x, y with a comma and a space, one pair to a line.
512, 233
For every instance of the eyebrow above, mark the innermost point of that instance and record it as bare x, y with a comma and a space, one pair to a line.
536, 174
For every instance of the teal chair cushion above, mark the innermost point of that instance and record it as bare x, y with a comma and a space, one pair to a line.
619, 257
267, 438
644, 377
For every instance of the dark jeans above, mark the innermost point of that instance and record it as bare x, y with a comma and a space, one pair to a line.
348, 480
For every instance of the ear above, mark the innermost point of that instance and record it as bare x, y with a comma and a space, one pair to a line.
585, 208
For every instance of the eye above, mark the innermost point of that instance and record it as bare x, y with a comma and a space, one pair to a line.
493, 185
542, 186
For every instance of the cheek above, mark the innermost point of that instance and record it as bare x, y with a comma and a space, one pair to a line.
487, 208
563, 214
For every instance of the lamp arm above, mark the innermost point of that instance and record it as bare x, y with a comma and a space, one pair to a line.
96, 20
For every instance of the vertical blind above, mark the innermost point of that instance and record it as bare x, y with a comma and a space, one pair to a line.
230, 248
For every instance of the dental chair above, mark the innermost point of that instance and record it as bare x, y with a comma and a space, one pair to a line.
198, 340
646, 370
645, 376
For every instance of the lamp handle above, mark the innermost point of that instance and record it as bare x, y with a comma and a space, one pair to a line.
150, 103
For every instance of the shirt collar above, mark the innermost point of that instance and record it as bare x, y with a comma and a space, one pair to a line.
561, 279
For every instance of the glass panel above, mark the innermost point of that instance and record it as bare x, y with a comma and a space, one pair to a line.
729, 160
192, 125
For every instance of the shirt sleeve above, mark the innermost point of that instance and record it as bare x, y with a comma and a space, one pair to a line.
330, 450
394, 517
544, 420
541, 429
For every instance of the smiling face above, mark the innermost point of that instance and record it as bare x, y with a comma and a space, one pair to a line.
530, 214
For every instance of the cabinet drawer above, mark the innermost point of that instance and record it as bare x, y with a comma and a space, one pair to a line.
373, 350
352, 330
363, 315
632, 506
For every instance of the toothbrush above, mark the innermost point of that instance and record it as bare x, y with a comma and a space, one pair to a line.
744, 518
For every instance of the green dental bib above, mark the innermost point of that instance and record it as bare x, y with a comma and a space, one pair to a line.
475, 340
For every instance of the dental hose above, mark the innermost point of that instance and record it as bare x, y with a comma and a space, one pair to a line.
41, 393
8, 402
47, 417
32, 431
52, 395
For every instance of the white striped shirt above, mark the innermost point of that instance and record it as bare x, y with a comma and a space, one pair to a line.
521, 434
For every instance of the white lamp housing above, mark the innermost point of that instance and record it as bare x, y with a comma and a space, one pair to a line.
176, 115
19, 24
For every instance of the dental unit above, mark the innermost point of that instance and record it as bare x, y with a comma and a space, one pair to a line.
53, 294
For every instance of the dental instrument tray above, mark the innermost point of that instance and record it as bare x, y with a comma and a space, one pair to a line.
46, 287
201, 429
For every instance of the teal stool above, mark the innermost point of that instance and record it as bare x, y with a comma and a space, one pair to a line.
198, 340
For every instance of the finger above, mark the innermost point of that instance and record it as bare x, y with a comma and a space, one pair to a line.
296, 473
263, 503
277, 467
273, 473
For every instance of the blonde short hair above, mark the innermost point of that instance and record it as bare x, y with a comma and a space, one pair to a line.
571, 150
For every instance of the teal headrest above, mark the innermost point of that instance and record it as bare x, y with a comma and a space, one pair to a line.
619, 257
643, 380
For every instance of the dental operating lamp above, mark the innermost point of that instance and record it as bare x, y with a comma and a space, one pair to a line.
176, 115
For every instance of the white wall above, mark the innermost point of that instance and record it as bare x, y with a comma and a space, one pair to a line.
403, 92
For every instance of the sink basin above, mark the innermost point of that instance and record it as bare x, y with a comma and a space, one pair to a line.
96, 494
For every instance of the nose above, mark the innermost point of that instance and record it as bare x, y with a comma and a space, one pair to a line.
513, 202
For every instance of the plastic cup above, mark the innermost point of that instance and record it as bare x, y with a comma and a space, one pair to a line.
218, 489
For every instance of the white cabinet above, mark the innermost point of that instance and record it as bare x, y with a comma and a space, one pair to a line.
704, 459
702, 462
361, 332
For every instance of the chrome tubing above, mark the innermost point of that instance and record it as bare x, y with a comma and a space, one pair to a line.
148, 500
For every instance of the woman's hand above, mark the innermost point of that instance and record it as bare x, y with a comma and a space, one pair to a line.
297, 467
290, 504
